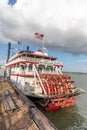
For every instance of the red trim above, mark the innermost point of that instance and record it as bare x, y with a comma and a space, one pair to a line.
58, 65
31, 62
41, 55
22, 62
32, 54
23, 75
60, 103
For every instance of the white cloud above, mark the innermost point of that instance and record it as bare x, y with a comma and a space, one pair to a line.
83, 61
64, 23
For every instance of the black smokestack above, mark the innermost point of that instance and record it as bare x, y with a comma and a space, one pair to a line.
9, 47
27, 48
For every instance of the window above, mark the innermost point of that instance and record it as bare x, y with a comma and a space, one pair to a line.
49, 68
41, 67
30, 66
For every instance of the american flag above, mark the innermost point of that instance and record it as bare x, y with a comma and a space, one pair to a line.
39, 36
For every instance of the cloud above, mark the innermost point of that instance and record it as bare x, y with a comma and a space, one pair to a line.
63, 23
83, 61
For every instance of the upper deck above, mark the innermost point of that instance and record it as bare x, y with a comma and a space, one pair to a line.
34, 58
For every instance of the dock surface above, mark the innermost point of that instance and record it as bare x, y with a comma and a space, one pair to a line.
17, 112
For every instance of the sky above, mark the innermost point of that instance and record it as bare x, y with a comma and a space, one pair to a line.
63, 23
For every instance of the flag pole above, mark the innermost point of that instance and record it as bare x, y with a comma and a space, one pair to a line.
43, 44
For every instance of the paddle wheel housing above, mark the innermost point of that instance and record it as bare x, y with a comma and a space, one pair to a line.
61, 87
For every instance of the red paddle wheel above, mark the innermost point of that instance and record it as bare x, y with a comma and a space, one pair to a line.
57, 103
59, 88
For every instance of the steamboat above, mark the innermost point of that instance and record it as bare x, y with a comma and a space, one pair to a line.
40, 76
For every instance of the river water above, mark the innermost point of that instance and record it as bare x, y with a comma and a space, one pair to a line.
72, 118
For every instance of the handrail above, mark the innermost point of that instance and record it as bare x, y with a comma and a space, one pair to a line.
34, 60
36, 72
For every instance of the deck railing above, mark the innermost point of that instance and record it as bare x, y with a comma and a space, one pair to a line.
40, 60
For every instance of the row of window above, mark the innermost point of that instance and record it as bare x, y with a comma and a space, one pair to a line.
38, 67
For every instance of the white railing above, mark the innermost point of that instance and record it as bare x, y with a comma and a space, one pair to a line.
37, 74
40, 60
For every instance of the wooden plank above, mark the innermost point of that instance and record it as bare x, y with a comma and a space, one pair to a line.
42, 122
11, 103
2, 122
7, 101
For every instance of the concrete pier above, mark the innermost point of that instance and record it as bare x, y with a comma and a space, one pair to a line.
17, 112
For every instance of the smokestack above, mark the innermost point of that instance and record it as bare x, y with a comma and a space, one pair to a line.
9, 47
27, 48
